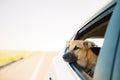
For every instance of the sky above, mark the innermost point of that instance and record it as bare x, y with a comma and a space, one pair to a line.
43, 24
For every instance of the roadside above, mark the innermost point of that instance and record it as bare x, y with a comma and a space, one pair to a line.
28, 69
8, 57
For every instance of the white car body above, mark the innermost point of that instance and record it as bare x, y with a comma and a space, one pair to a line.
61, 70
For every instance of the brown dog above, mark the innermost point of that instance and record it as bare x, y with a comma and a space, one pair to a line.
79, 51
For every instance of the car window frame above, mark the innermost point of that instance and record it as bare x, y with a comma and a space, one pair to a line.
107, 10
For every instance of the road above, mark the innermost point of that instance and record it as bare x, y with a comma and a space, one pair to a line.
32, 68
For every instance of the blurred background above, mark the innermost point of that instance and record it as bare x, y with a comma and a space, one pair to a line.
42, 24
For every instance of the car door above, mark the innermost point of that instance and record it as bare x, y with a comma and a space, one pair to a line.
108, 64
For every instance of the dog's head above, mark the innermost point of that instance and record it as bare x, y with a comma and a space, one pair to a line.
77, 52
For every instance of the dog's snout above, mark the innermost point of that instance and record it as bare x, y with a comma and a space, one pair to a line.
69, 57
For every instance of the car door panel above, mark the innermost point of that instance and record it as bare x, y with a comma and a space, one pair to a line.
116, 70
106, 60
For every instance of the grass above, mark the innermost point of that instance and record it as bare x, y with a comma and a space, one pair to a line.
8, 56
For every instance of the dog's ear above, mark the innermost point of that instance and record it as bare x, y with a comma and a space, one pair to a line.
85, 44
88, 44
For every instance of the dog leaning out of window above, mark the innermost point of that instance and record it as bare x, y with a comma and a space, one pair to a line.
84, 53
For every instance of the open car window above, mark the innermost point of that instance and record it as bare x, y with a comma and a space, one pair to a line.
95, 34
94, 31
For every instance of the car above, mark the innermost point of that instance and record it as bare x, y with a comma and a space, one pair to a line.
104, 30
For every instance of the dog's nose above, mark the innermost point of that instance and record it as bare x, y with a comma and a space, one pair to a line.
69, 57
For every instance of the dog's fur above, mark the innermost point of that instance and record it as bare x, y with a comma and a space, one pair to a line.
85, 57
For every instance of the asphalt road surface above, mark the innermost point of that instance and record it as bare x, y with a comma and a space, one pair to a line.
32, 68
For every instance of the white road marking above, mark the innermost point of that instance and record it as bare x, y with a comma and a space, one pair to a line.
36, 71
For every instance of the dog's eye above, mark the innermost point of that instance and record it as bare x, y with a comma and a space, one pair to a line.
76, 48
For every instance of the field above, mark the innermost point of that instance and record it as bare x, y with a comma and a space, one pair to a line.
9, 56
